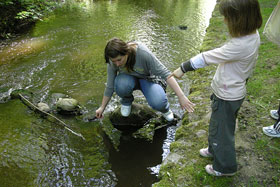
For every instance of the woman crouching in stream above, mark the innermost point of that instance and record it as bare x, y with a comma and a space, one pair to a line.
132, 66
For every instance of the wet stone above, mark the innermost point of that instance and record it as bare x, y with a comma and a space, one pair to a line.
183, 27
200, 133
172, 158
44, 107
141, 123
68, 106
147, 132
139, 115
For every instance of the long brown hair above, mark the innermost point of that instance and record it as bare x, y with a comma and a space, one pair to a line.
116, 47
243, 17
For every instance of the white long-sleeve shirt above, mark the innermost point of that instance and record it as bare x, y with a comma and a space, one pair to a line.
236, 61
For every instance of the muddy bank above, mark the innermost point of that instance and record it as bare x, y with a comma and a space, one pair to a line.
257, 155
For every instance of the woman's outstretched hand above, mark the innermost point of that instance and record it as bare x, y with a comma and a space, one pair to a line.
99, 112
186, 104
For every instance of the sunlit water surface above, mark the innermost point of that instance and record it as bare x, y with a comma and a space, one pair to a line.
64, 54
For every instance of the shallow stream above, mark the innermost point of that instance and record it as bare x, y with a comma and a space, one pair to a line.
64, 54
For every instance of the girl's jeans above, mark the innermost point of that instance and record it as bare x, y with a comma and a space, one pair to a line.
125, 85
221, 134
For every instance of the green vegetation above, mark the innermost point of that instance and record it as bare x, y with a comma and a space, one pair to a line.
257, 154
18, 15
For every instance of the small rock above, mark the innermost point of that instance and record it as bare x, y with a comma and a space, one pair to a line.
194, 161
147, 132
188, 144
44, 107
254, 137
172, 158
200, 133
88, 117
67, 104
183, 27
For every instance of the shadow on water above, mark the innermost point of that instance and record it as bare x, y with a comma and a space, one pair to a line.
132, 162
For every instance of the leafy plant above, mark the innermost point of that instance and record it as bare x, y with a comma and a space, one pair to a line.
18, 15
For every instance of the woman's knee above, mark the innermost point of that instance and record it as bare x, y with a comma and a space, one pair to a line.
124, 84
159, 103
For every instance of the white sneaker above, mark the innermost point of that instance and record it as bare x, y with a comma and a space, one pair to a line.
209, 169
274, 114
271, 131
168, 115
205, 153
125, 110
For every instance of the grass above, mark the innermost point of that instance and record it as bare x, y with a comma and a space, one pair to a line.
263, 90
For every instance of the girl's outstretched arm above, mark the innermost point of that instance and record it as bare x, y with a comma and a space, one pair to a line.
190, 65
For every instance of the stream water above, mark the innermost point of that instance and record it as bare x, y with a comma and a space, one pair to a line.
64, 54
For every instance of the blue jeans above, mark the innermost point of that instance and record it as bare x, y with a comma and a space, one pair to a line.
125, 85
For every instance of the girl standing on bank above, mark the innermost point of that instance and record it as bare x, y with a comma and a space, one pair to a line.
236, 60
132, 66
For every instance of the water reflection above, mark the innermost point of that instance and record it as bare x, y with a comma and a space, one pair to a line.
64, 54
135, 156
19, 49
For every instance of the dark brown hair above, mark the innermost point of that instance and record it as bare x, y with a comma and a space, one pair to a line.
116, 47
243, 17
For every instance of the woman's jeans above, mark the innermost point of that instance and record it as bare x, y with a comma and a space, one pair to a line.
154, 93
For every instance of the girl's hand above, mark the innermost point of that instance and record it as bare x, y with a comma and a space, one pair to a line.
186, 104
99, 112
178, 73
